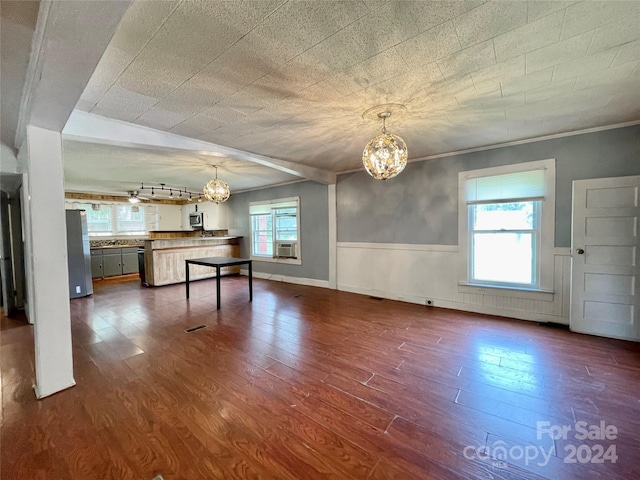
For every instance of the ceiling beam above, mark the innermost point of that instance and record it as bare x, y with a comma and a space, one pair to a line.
118, 198
90, 128
69, 40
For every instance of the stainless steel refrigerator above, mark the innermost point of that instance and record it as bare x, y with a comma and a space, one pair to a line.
78, 254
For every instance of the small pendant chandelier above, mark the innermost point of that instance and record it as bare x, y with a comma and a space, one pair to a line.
216, 190
385, 156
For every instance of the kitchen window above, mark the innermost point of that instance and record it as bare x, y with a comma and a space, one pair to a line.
275, 230
130, 220
506, 220
114, 219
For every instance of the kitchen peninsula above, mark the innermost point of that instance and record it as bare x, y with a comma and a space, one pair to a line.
165, 254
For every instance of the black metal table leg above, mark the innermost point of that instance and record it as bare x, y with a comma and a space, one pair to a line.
186, 267
250, 283
218, 287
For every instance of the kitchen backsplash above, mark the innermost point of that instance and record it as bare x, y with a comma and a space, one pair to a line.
126, 242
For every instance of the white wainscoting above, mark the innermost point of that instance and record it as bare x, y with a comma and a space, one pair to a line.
418, 273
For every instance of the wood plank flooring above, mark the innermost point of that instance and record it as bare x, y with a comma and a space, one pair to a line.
310, 383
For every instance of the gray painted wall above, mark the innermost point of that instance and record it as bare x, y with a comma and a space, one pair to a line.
314, 228
420, 206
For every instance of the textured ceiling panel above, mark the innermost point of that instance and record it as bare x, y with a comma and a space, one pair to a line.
586, 16
290, 79
530, 37
489, 20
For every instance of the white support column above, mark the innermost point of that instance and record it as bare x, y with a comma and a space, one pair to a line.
333, 237
47, 274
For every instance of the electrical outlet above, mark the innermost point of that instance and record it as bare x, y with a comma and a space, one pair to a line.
78, 289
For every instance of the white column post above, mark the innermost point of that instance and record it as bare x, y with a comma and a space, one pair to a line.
47, 274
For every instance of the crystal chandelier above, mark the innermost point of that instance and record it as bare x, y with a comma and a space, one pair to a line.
216, 190
385, 156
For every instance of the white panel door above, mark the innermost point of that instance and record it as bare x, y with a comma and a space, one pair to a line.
604, 258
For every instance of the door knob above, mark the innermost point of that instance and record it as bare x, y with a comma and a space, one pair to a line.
579, 251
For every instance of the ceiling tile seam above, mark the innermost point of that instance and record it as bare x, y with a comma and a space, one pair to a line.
495, 56
564, 19
564, 22
137, 54
456, 30
553, 74
617, 54
593, 36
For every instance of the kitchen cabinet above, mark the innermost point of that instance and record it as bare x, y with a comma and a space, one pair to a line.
216, 217
111, 262
129, 260
96, 264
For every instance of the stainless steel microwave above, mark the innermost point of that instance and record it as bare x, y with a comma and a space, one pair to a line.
195, 219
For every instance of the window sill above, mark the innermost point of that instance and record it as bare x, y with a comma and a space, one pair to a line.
515, 292
288, 261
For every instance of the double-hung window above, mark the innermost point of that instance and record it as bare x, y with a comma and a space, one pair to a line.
275, 230
507, 225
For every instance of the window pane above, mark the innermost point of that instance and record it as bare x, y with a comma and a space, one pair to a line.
503, 257
98, 219
262, 235
286, 227
503, 216
129, 220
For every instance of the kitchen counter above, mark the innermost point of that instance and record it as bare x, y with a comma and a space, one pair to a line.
165, 258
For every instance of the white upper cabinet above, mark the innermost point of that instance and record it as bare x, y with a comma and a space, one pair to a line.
214, 216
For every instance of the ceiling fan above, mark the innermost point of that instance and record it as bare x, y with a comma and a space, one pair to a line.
134, 196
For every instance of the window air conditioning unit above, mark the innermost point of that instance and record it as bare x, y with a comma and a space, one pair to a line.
286, 250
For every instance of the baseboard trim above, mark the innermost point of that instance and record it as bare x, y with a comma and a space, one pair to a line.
399, 246
312, 282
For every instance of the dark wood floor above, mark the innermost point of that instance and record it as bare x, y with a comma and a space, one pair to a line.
308, 383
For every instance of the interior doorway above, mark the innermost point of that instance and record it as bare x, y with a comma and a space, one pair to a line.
12, 266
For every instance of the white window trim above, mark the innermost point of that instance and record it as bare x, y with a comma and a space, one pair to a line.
261, 258
545, 254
